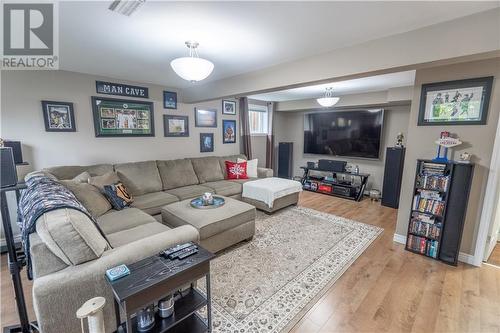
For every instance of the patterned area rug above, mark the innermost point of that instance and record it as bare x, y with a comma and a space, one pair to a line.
263, 285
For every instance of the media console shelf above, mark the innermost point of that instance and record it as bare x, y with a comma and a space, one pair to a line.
343, 184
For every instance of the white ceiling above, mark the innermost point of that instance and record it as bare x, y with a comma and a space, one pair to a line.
239, 37
347, 87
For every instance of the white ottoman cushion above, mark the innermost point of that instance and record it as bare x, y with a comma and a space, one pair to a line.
269, 189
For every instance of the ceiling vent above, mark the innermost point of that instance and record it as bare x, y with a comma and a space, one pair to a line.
126, 7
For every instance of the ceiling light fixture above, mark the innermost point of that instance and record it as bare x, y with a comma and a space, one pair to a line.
328, 100
125, 7
192, 68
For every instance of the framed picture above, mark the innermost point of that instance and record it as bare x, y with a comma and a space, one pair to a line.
462, 102
204, 117
175, 126
228, 131
206, 142
169, 100
58, 116
228, 107
122, 118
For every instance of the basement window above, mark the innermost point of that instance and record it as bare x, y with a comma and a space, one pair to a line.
257, 115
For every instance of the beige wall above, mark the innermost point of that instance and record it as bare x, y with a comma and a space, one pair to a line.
259, 144
289, 127
478, 140
21, 119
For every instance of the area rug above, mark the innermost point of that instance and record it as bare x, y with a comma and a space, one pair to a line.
265, 284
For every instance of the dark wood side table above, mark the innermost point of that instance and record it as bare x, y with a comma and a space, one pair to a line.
154, 278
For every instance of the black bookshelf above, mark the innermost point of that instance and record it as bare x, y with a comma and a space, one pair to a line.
437, 215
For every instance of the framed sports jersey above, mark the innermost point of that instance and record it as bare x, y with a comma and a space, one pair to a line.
122, 117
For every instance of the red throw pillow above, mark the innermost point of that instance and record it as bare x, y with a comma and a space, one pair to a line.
236, 170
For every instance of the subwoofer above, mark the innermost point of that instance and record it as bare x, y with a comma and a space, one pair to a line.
9, 173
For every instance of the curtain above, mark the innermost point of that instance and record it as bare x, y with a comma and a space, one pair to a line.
270, 136
246, 140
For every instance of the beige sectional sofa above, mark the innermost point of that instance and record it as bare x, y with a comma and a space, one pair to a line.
69, 259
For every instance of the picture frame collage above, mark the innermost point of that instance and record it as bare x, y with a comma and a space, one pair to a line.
116, 117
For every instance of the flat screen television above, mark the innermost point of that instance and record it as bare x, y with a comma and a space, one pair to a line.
353, 133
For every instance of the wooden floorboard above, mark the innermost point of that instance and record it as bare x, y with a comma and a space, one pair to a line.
387, 289
494, 258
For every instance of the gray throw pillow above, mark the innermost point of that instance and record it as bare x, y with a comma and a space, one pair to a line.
108, 178
89, 196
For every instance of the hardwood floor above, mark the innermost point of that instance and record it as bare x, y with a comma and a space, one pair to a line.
494, 258
387, 289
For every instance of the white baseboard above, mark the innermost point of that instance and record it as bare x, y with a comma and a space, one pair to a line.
399, 239
462, 257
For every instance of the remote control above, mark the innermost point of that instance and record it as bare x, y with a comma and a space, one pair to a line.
187, 254
179, 253
172, 250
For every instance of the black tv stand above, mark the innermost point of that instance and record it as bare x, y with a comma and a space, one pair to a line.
347, 185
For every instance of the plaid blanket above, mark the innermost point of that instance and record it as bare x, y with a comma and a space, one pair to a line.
43, 194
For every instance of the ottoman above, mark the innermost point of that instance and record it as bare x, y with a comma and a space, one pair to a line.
271, 194
218, 227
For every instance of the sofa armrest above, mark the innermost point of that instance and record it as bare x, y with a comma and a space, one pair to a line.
264, 172
57, 296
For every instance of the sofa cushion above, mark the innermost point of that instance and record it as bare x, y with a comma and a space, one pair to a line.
177, 173
208, 169
82, 178
225, 187
140, 177
241, 181
70, 172
71, 235
123, 237
151, 203
188, 192
232, 158
89, 196
118, 220
100, 181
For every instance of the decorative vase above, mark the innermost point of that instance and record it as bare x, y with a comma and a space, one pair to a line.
207, 198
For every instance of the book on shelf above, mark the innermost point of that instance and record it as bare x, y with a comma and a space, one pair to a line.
428, 205
429, 230
433, 182
433, 168
423, 245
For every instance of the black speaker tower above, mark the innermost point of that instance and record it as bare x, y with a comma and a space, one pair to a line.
393, 174
285, 160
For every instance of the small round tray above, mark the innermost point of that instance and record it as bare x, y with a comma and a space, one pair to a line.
198, 203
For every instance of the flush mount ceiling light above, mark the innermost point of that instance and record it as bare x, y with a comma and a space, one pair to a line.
192, 68
125, 7
328, 100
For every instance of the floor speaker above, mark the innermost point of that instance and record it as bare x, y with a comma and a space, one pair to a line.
285, 160
9, 173
16, 150
393, 174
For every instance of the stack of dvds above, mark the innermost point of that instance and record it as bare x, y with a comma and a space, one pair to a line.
423, 225
433, 182
430, 204
423, 245
433, 168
